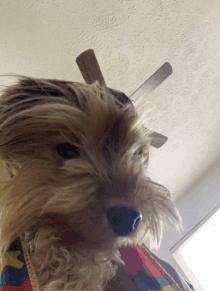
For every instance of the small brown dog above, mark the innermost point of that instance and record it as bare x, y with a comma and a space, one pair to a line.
80, 189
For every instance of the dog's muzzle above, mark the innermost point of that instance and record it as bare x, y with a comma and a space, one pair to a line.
123, 220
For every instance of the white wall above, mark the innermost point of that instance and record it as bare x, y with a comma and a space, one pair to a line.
193, 205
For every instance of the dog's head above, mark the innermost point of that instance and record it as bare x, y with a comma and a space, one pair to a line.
79, 158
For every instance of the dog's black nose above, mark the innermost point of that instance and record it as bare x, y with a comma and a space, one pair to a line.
124, 220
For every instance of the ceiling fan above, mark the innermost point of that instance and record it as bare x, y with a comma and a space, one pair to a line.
91, 72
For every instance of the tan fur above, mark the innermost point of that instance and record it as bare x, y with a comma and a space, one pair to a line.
59, 205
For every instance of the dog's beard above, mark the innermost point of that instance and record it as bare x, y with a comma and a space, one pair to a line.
79, 221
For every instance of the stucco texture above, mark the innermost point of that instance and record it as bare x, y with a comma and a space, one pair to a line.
132, 39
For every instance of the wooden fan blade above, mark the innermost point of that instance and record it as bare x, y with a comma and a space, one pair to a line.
157, 139
89, 67
153, 82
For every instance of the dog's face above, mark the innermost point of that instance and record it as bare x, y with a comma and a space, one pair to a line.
75, 152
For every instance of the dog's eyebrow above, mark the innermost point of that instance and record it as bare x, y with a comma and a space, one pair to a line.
115, 131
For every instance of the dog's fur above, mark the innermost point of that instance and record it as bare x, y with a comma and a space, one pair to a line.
58, 205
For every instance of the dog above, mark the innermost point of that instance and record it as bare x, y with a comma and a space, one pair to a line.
80, 187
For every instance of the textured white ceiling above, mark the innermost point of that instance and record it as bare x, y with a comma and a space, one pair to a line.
132, 39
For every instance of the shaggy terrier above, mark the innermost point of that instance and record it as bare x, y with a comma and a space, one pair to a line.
79, 189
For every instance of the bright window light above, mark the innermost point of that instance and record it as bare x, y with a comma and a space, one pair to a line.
199, 255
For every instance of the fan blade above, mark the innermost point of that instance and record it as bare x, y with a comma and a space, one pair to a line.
157, 139
153, 82
89, 67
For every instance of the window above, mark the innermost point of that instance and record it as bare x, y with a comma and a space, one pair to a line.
199, 254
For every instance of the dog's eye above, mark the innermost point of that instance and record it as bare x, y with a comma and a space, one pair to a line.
68, 151
141, 154
138, 153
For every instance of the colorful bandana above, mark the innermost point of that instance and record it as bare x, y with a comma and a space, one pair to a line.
147, 271
18, 273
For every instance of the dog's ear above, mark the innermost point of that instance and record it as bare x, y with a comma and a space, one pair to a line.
29, 82
42, 86
24, 94
29, 87
26, 82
